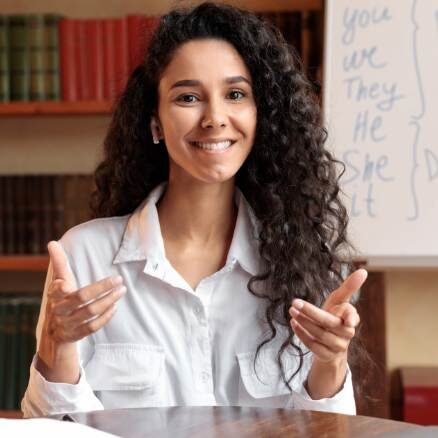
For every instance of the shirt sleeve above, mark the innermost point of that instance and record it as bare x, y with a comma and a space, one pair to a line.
342, 402
47, 398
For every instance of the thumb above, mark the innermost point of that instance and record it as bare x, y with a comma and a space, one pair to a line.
61, 269
345, 291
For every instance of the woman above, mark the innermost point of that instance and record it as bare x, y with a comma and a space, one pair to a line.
218, 233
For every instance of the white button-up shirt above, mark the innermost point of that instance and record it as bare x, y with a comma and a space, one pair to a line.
167, 344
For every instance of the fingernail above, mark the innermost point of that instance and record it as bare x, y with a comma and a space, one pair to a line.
294, 311
121, 291
117, 279
298, 303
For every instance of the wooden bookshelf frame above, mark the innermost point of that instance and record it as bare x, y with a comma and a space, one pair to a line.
18, 262
61, 108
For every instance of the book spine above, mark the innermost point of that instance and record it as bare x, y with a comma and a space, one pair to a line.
47, 217
33, 208
3, 351
94, 33
2, 216
83, 90
10, 360
36, 51
52, 55
137, 39
151, 23
20, 213
19, 57
109, 64
58, 213
121, 55
67, 54
4, 59
9, 215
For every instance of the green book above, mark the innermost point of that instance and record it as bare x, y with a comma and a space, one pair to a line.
36, 38
11, 356
29, 310
51, 64
4, 59
3, 304
19, 59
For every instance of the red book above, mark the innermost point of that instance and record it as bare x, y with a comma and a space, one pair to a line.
94, 47
67, 54
121, 46
137, 25
109, 66
420, 388
82, 63
151, 24
116, 56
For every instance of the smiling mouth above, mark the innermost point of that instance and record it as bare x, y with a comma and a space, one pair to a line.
219, 146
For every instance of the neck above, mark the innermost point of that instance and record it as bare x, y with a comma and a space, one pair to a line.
196, 213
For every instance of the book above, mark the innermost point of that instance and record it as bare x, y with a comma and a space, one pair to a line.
116, 56
51, 64
95, 58
67, 60
19, 59
36, 37
83, 75
4, 59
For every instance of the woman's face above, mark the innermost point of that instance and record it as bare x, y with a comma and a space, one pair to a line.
206, 111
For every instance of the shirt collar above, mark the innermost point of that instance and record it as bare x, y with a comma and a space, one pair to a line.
142, 238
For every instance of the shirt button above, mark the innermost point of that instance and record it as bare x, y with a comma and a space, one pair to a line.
198, 310
205, 376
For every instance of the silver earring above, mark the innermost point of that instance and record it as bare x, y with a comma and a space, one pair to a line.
156, 141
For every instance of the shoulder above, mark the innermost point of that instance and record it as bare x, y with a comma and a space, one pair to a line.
96, 237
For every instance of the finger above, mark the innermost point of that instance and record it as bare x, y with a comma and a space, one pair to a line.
87, 294
310, 342
341, 331
320, 316
332, 341
58, 258
95, 308
350, 285
61, 333
58, 289
348, 313
95, 324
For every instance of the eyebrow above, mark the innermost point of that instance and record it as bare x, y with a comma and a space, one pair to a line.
196, 83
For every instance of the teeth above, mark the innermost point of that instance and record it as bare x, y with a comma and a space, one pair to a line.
213, 146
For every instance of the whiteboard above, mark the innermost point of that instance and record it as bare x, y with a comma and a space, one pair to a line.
381, 111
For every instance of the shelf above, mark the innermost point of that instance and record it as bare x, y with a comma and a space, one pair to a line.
60, 108
36, 263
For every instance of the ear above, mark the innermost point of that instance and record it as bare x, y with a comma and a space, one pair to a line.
155, 129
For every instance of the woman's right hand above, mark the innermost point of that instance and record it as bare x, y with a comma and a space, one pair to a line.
70, 315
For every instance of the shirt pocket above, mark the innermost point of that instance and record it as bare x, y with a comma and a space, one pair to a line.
127, 375
263, 386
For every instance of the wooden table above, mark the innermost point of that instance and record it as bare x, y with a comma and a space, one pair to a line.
182, 422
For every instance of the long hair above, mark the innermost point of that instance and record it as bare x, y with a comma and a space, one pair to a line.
289, 178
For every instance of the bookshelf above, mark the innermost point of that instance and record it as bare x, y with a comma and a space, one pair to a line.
12, 109
30, 263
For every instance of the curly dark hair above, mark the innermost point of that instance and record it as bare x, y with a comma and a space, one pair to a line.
289, 178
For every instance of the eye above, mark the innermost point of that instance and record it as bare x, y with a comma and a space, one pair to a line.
236, 94
187, 98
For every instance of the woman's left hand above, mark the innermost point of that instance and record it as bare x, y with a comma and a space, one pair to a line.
327, 331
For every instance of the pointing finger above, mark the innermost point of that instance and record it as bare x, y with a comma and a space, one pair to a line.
58, 258
350, 285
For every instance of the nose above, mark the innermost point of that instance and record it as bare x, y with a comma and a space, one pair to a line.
214, 116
